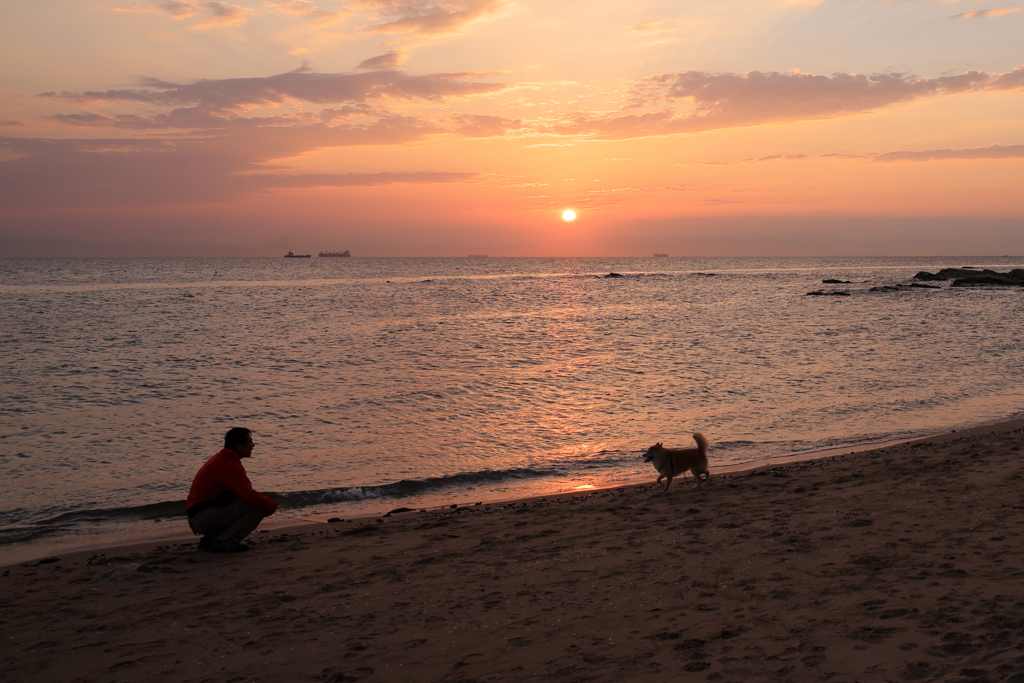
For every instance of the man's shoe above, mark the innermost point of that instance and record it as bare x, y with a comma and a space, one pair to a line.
229, 546
205, 543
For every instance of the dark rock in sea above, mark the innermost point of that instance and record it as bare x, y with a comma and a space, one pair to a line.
615, 275
920, 285
835, 282
965, 277
884, 288
1015, 278
822, 293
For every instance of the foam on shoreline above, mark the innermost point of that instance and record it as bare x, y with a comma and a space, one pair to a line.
121, 544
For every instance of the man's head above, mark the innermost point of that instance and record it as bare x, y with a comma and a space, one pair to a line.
239, 439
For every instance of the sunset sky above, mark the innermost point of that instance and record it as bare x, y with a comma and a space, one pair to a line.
449, 127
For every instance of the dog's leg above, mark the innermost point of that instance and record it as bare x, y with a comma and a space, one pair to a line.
659, 481
668, 482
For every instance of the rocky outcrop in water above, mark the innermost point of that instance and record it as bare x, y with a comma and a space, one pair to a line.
968, 277
902, 287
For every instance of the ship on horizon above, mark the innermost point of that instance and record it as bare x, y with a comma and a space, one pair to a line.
326, 254
294, 255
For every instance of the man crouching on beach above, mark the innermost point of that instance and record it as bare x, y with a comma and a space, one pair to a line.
222, 506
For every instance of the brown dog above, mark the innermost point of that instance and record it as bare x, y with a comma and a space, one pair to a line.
672, 461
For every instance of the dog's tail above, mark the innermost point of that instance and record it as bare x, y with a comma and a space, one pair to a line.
702, 443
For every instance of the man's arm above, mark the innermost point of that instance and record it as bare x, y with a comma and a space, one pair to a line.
236, 480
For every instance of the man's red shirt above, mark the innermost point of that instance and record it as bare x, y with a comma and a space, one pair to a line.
224, 472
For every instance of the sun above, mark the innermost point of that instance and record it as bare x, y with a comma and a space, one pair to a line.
568, 215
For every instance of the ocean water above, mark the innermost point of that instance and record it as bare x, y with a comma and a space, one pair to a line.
377, 383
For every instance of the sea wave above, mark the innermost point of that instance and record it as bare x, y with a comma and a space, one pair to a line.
408, 487
291, 500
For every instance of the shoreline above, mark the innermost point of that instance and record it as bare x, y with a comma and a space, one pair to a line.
895, 563
31, 552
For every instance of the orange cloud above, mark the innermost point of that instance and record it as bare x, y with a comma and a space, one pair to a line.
388, 60
111, 172
195, 118
986, 13
755, 98
214, 13
304, 8
652, 26
1009, 81
299, 85
269, 181
992, 152
477, 126
427, 17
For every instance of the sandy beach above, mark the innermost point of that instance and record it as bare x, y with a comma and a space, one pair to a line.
900, 563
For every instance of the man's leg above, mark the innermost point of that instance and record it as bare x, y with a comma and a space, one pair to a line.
231, 522
203, 525
246, 518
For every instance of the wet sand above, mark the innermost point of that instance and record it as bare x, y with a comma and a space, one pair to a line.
900, 563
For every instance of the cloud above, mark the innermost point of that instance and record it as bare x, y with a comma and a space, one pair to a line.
11, 123
268, 181
633, 190
85, 120
221, 151
214, 13
112, 172
406, 129
652, 26
755, 98
388, 60
986, 13
304, 8
477, 126
427, 17
299, 85
203, 118
992, 152
781, 95
775, 157
1012, 80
